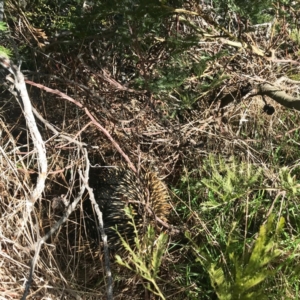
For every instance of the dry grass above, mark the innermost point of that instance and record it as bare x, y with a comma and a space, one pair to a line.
67, 264
152, 130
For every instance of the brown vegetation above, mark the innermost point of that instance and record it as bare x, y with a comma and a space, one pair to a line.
86, 114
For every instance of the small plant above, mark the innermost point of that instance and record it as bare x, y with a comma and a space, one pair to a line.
225, 204
145, 258
289, 182
228, 181
241, 275
295, 35
3, 50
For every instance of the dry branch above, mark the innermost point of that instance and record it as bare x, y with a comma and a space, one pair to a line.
277, 94
20, 87
64, 96
103, 235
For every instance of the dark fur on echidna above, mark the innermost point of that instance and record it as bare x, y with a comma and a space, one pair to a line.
116, 188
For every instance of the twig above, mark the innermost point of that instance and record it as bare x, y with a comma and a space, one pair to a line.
62, 220
103, 234
55, 131
64, 96
20, 87
105, 76
277, 94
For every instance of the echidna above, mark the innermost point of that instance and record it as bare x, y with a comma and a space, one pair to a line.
116, 188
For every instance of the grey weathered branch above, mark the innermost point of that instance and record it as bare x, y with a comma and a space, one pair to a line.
1, 10
20, 91
278, 95
39, 146
109, 288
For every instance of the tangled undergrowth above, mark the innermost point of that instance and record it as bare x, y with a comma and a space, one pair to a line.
165, 90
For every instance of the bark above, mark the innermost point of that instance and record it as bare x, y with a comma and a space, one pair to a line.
278, 95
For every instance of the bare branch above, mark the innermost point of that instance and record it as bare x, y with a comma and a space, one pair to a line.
55, 131
20, 87
64, 96
277, 94
103, 235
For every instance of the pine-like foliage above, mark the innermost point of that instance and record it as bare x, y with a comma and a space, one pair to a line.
144, 258
288, 182
243, 279
228, 180
3, 50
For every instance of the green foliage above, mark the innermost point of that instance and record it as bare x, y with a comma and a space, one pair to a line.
295, 36
182, 77
145, 258
244, 277
3, 50
228, 181
289, 182
3, 26
225, 203
256, 11
138, 31
53, 16
287, 151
